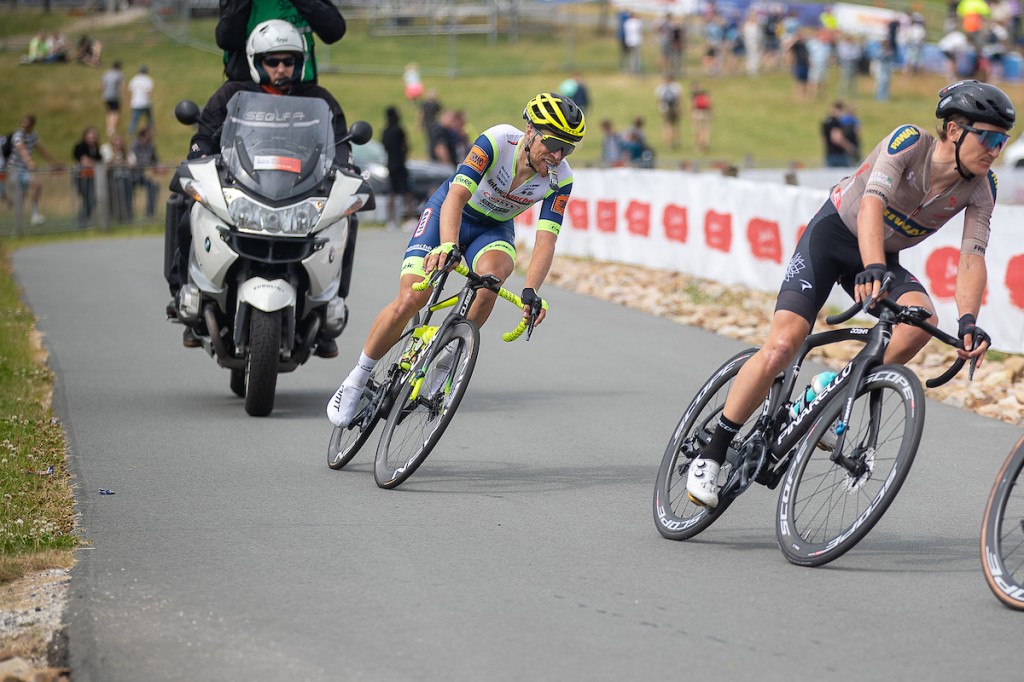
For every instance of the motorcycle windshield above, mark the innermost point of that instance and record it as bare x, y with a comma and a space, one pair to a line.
276, 146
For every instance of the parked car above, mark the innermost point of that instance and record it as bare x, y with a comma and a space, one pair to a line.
424, 176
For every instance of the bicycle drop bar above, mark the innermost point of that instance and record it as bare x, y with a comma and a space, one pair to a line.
917, 317
504, 293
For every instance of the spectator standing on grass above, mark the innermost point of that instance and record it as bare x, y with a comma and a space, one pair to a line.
839, 151
442, 139
700, 116
430, 109
113, 93
396, 145
86, 155
239, 17
24, 142
612, 151
848, 54
753, 39
141, 88
669, 95
633, 36
412, 84
800, 65
144, 162
120, 182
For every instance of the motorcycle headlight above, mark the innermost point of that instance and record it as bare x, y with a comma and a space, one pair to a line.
253, 216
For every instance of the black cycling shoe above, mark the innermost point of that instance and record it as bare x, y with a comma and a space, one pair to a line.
172, 309
326, 349
190, 339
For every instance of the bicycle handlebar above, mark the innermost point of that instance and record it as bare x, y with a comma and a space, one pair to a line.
524, 323
915, 316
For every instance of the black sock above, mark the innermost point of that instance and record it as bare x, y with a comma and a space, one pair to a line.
720, 439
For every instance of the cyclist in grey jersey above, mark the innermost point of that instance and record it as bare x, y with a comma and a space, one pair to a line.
899, 172
909, 186
505, 173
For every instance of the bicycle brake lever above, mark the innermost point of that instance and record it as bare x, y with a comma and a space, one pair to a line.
970, 368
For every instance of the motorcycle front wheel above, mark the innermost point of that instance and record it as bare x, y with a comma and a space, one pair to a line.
261, 362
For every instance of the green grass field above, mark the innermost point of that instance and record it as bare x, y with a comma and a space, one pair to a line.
756, 120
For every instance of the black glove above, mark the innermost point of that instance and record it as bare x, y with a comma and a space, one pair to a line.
532, 300
871, 274
968, 327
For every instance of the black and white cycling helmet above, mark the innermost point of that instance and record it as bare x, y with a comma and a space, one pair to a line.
275, 35
978, 102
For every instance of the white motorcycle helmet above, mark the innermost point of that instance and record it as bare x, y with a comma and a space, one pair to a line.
275, 35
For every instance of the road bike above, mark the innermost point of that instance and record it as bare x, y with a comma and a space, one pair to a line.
841, 460
1002, 533
417, 387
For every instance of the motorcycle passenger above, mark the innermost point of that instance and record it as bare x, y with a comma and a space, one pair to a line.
907, 188
275, 53
504, 174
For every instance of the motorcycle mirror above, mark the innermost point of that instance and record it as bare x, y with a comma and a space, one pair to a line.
187, 112
360, 132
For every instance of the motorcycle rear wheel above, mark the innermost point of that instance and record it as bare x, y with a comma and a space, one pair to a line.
261, 362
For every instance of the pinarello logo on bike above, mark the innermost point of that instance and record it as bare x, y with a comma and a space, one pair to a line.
424, 219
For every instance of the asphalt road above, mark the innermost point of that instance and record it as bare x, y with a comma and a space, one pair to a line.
523, 549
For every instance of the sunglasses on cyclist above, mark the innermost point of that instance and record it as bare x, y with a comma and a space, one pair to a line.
990, 139
274, 62
553, 144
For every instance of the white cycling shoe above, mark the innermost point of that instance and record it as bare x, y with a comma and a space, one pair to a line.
342, 406
702, 483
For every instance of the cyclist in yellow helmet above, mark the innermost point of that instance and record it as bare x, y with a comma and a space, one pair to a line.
505, 173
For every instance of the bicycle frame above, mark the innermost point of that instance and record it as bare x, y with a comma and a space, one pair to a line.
781, 433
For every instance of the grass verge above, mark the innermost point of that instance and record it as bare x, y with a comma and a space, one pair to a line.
37, 517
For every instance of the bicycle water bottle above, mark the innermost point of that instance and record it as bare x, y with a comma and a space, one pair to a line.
817, 385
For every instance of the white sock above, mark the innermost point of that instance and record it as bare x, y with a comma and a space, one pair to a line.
360, 374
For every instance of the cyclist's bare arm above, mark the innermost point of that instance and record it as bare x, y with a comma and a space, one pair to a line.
971, 278
540, 265
871, 241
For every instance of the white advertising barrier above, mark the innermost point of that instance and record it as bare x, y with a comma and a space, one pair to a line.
742, 233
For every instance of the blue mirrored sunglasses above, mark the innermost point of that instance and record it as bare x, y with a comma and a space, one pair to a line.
990, 139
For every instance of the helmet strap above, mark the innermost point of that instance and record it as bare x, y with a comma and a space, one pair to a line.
529, 145
956, 154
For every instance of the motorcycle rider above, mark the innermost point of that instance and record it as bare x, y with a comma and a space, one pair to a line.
274, 52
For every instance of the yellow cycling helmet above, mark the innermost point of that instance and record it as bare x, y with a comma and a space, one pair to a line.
556, 115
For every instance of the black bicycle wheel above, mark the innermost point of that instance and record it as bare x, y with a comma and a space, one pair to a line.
675, 516
374, 404
423, 408
826, 508
1002, 533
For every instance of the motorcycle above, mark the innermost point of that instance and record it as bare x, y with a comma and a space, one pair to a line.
269, 218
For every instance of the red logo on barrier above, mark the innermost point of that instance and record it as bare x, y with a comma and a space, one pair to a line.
606, 216
579, 215
1015, 281
718, 231
674, 220
638, 218
525, 218
941, 270
765, 241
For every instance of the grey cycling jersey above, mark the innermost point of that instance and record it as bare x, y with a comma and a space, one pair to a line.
897, 171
